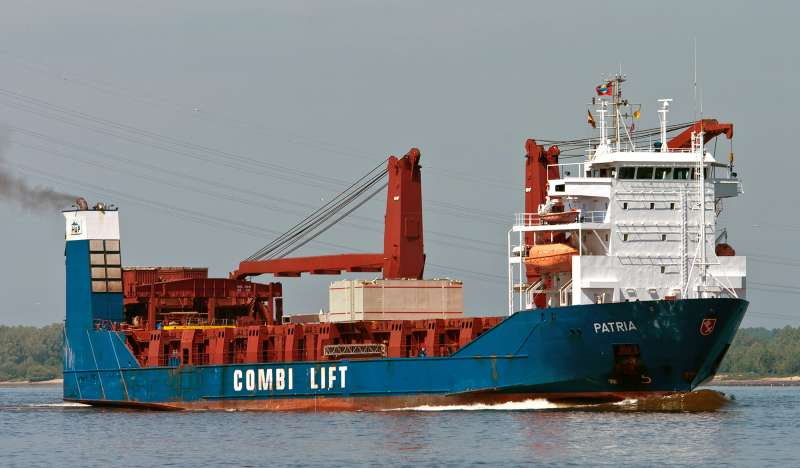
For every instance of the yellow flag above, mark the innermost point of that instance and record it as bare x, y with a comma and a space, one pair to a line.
637, 114
590, 119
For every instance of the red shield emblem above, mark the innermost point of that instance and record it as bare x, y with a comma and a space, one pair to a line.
707, 326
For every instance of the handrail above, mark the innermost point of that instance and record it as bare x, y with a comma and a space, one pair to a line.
562, 292
358, 349
566, 217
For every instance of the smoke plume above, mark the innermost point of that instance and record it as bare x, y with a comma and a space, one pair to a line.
17, 190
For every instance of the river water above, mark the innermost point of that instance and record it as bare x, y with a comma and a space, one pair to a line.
759, 427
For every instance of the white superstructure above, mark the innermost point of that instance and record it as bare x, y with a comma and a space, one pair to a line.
642, 221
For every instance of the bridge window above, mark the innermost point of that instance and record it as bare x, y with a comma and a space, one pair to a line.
644, 173
663, 173
627, 172
681, 173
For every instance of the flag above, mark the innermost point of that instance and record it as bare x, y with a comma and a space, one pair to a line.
637, 114
604, 89
590, 119
633, 127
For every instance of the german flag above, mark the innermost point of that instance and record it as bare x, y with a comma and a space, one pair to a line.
590, 119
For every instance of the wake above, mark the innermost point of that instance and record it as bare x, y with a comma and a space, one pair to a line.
691, 402
63, 404
526, 405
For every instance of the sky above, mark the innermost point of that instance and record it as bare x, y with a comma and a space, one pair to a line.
213, 126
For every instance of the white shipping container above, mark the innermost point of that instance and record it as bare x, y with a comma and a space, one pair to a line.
351, 300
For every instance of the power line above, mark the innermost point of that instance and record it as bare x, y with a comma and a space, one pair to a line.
210, 155
766, 259
206, 219
195, 111
227, 192
159, 141
257, 231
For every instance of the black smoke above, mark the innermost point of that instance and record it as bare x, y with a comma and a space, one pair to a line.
15, 189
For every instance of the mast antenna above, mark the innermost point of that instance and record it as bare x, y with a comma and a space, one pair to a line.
694, 77
663, 121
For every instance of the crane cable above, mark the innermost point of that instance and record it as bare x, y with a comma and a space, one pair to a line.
636, 136
318, 222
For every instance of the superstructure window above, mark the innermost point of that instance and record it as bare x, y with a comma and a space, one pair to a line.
627, 172
681, 173
663, 173
644, 172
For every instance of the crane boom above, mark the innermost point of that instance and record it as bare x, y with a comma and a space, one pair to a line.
711, 129
403, 253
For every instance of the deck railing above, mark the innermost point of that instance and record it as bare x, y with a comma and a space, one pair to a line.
567, 217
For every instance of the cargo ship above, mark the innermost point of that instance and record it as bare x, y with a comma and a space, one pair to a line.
620, 285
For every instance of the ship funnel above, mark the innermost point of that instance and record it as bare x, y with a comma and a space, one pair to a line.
93, 264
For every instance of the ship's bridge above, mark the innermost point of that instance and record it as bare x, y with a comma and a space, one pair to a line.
627, 224
596, 176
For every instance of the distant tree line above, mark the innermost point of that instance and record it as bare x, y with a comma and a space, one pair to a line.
31, 353
759, 351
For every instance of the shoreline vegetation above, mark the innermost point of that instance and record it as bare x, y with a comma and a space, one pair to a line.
14, 383
758, 356
726, 380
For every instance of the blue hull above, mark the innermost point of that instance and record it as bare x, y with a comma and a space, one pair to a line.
597, 351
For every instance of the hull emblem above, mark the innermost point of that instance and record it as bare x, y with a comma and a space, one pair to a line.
707, 326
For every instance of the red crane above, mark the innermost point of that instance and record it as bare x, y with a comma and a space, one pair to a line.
537, 160
710, 128
403, 253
